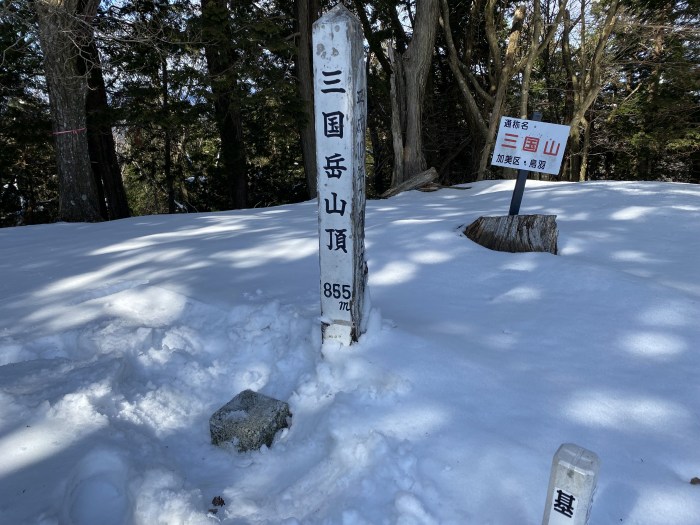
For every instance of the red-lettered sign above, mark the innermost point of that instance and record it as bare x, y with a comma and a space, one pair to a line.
530, 145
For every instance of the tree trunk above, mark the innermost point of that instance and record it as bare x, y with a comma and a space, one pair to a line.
473, 112
417, 181
103, 154
409, 80
530, 60
220, 55
583, 86
307, 13
587, 89
504, 80
168, 140
583, 169
573, 166
398, 100
63, 31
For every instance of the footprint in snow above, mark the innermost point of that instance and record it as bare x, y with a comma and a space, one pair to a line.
96, 491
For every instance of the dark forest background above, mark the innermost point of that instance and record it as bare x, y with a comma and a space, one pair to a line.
117, 108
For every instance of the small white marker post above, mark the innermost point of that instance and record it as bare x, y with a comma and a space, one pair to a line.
340, 117
571, 486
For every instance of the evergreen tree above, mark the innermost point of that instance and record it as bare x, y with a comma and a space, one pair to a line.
157, 93
28, 182
648, 119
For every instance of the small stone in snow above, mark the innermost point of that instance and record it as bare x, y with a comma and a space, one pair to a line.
249, 421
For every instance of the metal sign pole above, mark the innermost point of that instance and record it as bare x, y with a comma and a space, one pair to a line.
520, 182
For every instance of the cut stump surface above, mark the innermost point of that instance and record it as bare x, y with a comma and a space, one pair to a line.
515, 233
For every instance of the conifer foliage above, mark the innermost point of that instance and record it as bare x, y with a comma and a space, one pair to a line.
169, 106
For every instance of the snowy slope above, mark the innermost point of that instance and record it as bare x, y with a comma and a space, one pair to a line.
119, 340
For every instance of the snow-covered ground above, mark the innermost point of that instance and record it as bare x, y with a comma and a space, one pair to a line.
119, 340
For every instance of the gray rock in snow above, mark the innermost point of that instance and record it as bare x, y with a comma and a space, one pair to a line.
249, 421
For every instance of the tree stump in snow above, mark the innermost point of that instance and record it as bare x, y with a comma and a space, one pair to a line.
515, 233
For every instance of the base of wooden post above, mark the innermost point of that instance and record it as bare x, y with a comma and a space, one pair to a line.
515, 233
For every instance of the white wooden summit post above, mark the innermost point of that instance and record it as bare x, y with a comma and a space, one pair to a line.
340, 117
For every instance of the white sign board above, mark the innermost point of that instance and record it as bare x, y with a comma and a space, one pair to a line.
530, 145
